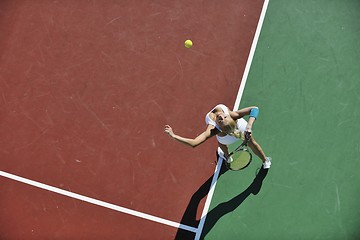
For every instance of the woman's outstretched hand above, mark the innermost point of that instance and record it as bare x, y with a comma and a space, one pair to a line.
169, 131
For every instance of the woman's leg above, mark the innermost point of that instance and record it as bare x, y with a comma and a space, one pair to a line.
256, 148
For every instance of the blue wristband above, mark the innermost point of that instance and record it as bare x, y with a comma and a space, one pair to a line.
254, 112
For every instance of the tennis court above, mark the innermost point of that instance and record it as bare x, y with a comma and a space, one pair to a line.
87, 87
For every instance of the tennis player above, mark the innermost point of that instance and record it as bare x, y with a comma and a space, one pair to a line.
228, 127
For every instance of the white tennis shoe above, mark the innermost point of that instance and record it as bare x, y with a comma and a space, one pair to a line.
267, 163
222, 155
229, 160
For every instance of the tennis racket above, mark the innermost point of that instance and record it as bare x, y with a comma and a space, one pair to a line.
241, 158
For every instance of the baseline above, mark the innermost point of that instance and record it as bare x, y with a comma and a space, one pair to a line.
97, 202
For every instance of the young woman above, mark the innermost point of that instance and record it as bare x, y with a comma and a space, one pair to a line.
228, 127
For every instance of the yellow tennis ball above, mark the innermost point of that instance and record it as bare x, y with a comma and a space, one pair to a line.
188, 43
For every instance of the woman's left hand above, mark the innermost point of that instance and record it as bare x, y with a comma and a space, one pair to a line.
169, 131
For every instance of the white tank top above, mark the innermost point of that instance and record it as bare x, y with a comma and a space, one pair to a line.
227, 139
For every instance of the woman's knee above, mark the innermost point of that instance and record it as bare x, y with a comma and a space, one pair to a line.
252, 141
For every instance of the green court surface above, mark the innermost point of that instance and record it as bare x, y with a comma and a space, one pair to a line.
305, 77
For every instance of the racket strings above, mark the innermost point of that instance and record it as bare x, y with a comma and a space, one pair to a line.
240, 160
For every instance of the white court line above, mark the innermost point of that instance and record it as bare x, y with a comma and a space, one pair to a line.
208, 199
97, 202
251, 55
236, 107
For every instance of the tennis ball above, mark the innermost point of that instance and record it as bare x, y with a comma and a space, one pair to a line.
188, 43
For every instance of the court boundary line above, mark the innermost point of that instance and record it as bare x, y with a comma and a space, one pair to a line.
236, 106
97, 202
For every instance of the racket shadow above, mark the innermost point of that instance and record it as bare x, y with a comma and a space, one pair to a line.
226, 207
189, 217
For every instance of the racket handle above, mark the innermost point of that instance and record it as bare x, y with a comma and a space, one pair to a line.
247, 136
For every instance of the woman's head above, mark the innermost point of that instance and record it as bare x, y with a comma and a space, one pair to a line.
227, 124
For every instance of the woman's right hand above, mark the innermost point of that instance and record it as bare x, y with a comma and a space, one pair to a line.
169, 131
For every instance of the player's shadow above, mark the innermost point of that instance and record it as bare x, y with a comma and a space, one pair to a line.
189, 217
226, 207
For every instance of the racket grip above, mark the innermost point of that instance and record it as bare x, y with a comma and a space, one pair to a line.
247, 136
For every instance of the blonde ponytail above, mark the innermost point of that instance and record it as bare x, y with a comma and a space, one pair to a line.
232, 130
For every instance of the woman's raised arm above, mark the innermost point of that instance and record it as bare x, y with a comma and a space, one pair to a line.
192, 142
